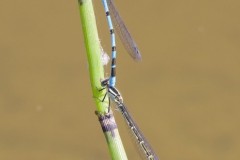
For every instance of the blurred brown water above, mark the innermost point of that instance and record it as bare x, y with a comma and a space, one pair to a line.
185, 94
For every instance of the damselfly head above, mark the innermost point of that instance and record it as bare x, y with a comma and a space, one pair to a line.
115, 95
105, 82
119, 99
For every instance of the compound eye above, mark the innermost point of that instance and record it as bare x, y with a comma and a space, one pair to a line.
104, 82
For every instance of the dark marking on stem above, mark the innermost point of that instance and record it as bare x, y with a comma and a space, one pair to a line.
107, 122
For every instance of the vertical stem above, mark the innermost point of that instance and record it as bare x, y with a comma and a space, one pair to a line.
92, 45
96, 71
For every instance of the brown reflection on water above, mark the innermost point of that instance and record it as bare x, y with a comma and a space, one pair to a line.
184, 94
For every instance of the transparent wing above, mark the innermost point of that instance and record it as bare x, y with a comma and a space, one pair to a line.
123, 33
142, 142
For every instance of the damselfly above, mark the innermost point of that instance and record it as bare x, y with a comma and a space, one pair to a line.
115, 96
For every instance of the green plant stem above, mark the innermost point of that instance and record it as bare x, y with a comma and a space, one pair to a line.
93, 53
96, 71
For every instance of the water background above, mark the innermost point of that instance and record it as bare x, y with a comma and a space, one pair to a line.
185, 94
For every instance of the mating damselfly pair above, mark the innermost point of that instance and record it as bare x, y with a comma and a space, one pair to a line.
109, 84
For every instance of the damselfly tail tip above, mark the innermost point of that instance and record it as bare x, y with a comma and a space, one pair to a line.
136, 55
138, 58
